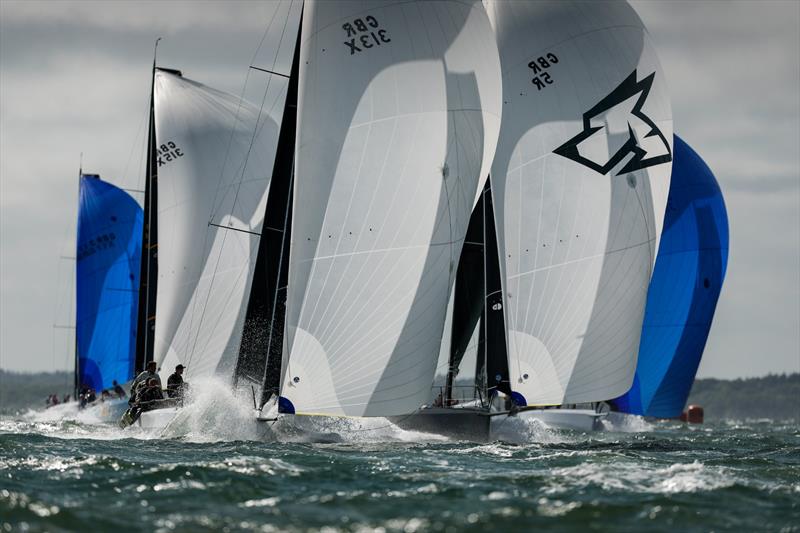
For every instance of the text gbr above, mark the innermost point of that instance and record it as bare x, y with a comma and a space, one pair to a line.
364, 33
541, 78
168, 152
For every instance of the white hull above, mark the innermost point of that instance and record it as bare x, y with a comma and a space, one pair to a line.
573, 419
108, 411
157, 418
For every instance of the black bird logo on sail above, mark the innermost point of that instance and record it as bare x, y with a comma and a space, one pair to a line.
640, 157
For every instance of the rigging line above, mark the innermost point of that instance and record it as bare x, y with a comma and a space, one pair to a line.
244, 167
134, 145
236, 116
234, 229
258, 121
270, 72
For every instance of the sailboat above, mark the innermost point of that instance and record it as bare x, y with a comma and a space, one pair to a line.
579, 184
395, 108
398, 114
580, 179
683, 293
474, 348
108, 255
208, 189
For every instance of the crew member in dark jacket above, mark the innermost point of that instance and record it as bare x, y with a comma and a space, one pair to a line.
150, 393
175, 385
142, 379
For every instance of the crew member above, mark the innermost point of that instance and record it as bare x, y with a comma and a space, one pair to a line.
175, 385
149, 393
148, 397
143, 378
119, 390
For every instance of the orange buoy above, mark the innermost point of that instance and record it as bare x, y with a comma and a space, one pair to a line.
693, 415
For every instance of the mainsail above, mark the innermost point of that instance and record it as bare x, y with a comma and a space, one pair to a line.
399, 107
580, 181
687, 280
107, 285
477, 302
214, 156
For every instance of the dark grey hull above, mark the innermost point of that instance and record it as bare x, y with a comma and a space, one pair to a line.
459, 424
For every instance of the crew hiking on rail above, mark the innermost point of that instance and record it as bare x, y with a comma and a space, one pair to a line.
147, 394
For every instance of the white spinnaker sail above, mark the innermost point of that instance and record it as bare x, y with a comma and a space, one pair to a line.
399, 108
215, 160
580, 181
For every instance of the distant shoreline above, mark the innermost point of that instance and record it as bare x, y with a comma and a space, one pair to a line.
775, 396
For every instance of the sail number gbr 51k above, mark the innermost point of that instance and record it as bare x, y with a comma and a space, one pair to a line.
365, 32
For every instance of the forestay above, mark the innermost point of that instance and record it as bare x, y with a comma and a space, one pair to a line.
109, 253
398, 116
687, 280
580, 182
215, 156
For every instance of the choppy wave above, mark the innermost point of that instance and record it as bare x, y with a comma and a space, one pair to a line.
214, 468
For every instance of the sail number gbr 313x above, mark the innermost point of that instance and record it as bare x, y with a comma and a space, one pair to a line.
362, 34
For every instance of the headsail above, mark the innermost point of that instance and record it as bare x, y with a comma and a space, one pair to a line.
687, 280
107, 270
214, 157
398, 116
580, 181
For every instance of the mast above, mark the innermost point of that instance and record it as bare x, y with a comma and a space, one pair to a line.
495, 328
469, 295
76, 385
482, 366
260, 350
284, 167
148, 278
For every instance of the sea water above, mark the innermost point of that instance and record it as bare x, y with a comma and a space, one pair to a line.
216, 469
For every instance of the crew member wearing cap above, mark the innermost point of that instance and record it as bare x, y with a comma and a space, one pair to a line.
175, 385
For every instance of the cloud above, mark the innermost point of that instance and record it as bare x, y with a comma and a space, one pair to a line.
74, 77
140, 16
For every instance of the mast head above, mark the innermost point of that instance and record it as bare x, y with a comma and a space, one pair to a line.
155, 51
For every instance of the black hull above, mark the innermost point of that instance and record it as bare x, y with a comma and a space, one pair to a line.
459, 424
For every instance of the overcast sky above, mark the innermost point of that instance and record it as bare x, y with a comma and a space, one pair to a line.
74, 77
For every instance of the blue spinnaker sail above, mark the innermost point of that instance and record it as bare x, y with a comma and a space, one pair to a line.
683, 293
108, 256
